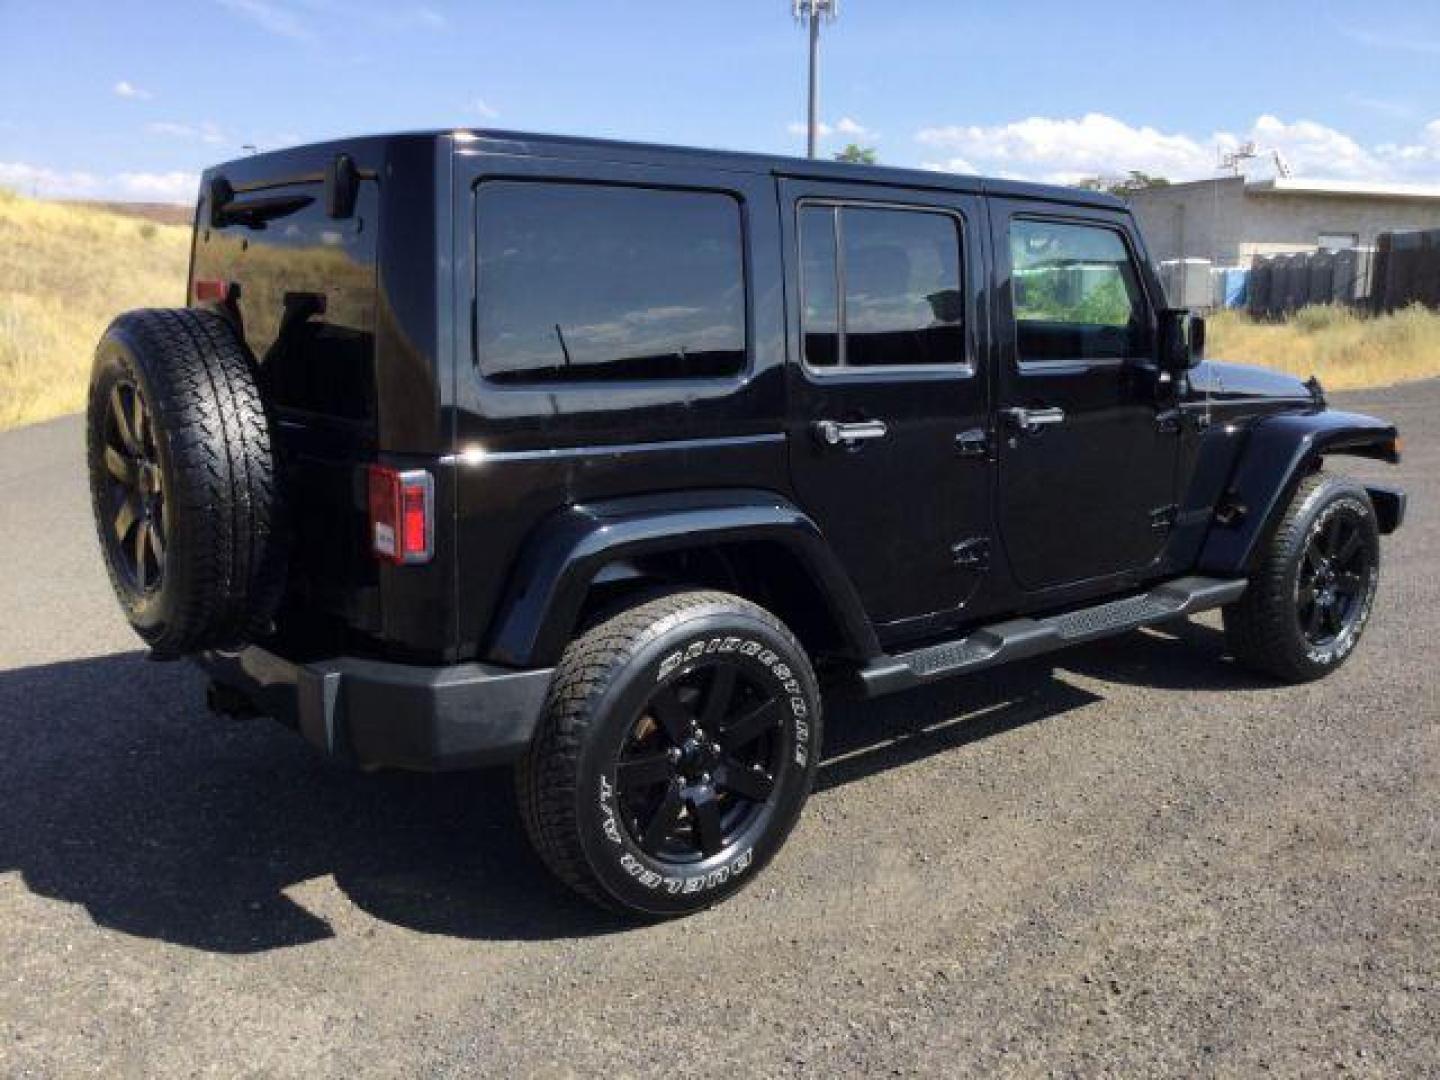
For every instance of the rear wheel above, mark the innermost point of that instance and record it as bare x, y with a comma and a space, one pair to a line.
1310, 601
676, 751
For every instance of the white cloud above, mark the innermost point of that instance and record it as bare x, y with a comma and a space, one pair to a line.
292, 20
175, 187
206, 131
1393, 40
1401, 110
272, 18
1418, 160
423, 17
126, 89
1064, 150
483, 109
1067, 149
846, 126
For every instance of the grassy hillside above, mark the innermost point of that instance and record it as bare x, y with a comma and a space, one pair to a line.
65, 272
1348, 351
67, 269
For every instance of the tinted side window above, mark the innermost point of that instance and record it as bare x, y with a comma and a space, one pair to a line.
582, 282
880, 287
820, 277
1075, 292
902, 287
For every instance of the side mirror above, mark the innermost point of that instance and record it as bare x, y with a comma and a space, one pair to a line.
1182, 340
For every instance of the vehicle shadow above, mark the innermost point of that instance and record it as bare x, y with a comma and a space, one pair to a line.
122, 795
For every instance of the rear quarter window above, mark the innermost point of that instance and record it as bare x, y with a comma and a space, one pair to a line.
591, 282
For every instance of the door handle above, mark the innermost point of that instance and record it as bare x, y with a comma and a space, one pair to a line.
834, 433
1030, 421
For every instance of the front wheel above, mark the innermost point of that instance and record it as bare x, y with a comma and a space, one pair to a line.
677, 748
1311, 599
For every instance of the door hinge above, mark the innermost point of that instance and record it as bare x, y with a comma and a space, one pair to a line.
1163, 518
972, 554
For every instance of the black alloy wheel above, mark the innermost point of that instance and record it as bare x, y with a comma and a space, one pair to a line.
700, 762
137, 532
1312, 592
1334, 578
184, 481
678, 743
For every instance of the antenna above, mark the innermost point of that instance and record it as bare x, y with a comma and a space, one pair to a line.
1231, 162
811, 13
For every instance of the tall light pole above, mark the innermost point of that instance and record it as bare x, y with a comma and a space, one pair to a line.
811, 13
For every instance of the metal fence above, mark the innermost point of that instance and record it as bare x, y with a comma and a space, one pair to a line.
1406, 271
1280, 284
1403, 269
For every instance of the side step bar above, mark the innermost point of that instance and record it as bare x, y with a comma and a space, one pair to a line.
1019, 638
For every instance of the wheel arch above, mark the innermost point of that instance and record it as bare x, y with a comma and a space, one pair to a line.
753, 543
1280, 451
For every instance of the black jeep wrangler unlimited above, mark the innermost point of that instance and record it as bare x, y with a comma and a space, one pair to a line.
601, 459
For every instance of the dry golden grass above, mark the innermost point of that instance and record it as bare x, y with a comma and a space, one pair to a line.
1346, 350
65, 272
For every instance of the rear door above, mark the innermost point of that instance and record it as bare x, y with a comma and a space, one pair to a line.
1088, 437
888, 401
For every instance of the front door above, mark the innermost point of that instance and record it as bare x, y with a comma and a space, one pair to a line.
889, 405
1088, 440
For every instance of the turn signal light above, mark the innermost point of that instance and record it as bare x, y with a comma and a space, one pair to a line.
402, 515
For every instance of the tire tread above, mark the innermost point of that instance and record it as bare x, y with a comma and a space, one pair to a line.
546, 779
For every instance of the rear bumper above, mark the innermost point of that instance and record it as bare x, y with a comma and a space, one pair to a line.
377, 714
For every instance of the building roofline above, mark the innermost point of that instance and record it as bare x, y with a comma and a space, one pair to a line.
1298, 186
1281, 186
1342, 189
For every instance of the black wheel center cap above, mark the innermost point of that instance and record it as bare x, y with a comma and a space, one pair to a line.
697, 757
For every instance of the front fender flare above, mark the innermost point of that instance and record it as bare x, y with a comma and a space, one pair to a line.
567, 551
1279, 452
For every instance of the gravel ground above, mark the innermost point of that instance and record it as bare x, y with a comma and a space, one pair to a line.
1129, 859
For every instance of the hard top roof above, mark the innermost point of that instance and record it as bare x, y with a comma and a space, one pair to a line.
549, 145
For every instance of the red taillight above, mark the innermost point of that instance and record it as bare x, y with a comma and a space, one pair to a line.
212, 291
402, 514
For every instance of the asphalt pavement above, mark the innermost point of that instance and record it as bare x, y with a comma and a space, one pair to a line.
1129, 859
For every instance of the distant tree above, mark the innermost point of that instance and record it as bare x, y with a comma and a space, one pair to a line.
857, 155
1122, 186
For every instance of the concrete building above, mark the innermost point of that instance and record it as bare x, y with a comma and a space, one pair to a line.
1230, 220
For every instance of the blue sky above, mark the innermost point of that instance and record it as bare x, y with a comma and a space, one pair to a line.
130, 100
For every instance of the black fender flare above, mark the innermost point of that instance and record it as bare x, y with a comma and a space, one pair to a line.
1279, 452
570, 548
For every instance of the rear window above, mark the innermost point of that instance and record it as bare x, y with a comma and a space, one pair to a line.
587, 282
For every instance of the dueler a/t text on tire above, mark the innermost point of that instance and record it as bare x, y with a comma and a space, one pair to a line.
183, 480
678, 745
1311, 597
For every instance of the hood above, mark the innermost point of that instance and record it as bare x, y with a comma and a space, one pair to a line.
1245, 381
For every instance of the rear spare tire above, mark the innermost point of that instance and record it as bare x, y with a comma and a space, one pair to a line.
183, 480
